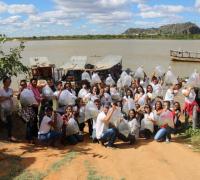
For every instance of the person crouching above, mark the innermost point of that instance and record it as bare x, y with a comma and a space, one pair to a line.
49, 122
70, 130
103, 132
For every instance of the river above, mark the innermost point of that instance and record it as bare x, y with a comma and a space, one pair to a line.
146, 53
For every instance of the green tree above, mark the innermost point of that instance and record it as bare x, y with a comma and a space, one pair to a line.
10, 64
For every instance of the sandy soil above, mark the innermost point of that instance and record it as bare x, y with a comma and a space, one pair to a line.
145, 160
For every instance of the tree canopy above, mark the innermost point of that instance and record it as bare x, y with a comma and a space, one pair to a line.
10, 64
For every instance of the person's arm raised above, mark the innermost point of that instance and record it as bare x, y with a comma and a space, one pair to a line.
108, 116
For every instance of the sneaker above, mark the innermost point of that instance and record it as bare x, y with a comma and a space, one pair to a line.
102, 143
12, 139
167, 140
111, 147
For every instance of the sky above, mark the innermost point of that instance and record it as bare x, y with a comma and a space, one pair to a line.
72, 17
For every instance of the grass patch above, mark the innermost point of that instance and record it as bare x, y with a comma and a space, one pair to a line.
17, 171
30, 175
93, 174
192, 137
64, 161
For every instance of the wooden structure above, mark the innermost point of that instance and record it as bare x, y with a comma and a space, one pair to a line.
41, 68
111, 64
73, 69
184, 56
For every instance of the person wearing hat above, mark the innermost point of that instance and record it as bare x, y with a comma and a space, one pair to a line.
103, 132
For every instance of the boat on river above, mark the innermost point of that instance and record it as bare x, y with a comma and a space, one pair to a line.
185, 56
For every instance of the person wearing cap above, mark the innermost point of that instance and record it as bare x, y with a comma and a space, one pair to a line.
103, 132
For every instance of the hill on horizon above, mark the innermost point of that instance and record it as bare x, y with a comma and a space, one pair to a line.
187, 28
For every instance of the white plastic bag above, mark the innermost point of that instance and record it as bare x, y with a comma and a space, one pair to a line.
47, 92
95, 78
110, 81
72, 127
127, 81
123, 74
66, 98
170, 77
82, 93
85, 76
91, 111
124, 128
114, 94
160, 71
119, 83
139, 73
116, 117
27, 98
128, 105
194, 79
166, 118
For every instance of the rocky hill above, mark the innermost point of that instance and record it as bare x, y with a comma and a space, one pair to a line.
171, 29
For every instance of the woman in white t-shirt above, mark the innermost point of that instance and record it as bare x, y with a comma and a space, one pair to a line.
140, 96
190, 102
147, 126
6, 106
80, 114
171, 93
128, 102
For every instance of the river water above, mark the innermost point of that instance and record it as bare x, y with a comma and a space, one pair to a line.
148, 53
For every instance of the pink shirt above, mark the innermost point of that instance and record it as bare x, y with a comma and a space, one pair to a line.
35, 92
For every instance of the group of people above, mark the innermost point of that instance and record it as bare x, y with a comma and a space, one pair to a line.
59, 111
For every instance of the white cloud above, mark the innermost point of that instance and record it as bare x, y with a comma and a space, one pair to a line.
160, 11
12, 20
197, 5
17, 8
139, 1
3, 7
103, 12
21, 8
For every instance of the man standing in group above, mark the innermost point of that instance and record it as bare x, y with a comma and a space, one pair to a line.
6, 106
103, 132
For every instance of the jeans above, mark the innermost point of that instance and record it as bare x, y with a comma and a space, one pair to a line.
146, 133
94, 134
162, 134
35, 122
74, 139
48, 136
130, 138
90, 126
109, 136
29, 131
9, 125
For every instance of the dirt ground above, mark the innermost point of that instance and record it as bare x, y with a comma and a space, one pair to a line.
145, 160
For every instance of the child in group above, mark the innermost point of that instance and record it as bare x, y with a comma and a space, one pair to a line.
164, 133
94, 138
131, 126
71, 132
147, 126
133, 123
81, 114
176, 114
46, 132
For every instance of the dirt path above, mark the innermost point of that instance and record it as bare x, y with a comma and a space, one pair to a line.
144, 161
